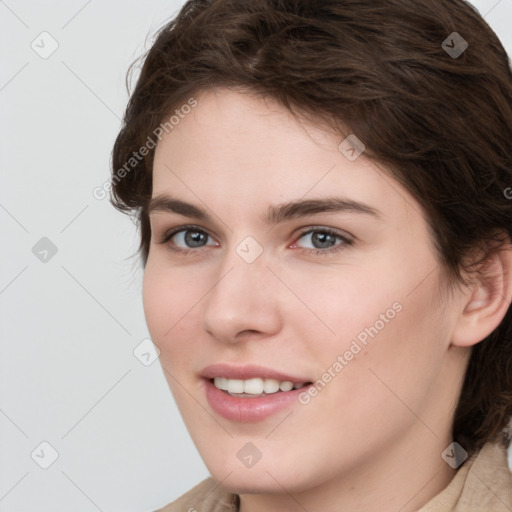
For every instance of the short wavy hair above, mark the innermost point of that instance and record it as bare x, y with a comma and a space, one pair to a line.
437, 117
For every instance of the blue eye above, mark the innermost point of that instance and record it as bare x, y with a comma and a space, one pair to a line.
187, 238
322, 240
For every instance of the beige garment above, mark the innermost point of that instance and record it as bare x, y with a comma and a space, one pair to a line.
482, 484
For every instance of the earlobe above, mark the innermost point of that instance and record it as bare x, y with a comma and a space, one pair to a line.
490, 295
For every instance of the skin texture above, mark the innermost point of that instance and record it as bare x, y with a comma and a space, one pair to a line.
373, 436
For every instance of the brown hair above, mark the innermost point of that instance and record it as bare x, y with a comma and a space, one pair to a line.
440, 123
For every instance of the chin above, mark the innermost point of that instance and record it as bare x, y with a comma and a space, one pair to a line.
251, 483
268, 476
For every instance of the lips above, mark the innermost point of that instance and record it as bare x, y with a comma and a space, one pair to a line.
242, 408
249, 372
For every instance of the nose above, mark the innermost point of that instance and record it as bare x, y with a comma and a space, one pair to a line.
244, 301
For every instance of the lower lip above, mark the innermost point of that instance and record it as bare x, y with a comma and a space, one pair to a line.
248, 409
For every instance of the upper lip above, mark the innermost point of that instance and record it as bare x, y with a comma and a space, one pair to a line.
248, 372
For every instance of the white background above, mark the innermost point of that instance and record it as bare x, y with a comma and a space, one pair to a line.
69, 326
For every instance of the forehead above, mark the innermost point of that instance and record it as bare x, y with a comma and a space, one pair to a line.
245, 149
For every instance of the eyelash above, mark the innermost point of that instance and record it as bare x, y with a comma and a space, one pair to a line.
316, 229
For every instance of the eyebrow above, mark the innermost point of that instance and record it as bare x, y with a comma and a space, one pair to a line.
275, 214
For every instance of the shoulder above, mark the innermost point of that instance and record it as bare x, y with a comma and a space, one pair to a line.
489, 480
483, 482
206, 496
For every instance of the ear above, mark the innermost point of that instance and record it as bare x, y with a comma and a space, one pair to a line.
488, 298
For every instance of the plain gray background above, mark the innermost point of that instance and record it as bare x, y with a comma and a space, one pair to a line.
72, 319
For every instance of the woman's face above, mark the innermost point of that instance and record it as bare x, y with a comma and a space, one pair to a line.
294, 260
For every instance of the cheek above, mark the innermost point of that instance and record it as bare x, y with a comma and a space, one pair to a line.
168, 299
391, 345
156, 302
385, 317
340, 303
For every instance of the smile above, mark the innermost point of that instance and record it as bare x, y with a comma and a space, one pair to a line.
250, 393
254, 387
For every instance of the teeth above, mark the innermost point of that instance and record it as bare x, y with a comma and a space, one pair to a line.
286, 385
270, 386
254, 386
221, 383
235, 386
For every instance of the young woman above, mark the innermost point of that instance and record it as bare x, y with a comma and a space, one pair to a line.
324, 192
